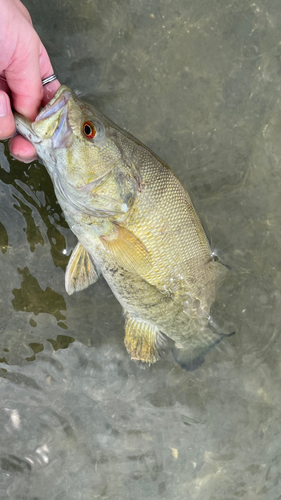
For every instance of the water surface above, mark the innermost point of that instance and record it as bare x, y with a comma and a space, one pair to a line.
199, 82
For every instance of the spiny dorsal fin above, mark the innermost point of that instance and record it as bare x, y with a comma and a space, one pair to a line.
128, 251
80, 271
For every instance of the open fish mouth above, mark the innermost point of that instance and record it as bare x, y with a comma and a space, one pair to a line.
50, 123
59, 100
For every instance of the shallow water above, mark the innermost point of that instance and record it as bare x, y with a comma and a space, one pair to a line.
199, 82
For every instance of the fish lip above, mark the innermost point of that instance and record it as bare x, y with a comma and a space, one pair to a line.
24, 128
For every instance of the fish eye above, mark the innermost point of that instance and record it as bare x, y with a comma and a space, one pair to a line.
89, 130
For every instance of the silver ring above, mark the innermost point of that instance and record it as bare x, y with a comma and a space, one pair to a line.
49, 79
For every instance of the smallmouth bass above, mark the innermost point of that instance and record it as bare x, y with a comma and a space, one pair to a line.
135, 224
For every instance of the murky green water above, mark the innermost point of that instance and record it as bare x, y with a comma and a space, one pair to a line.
199, 82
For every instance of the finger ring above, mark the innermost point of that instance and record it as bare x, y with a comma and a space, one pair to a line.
49, 79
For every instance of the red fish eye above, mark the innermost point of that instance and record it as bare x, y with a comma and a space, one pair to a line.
89, 130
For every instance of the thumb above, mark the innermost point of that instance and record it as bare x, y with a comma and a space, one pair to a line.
7, 124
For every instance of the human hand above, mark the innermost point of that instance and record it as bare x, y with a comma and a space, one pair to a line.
23, 63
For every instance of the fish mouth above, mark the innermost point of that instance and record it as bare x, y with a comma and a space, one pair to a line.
54, 114
59, 101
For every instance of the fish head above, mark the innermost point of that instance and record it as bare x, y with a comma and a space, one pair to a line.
84, 153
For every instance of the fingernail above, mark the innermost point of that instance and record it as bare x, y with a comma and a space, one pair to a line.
3, 105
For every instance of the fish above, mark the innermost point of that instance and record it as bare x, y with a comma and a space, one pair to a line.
135, 224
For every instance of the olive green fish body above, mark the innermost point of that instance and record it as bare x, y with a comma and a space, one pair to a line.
135, 224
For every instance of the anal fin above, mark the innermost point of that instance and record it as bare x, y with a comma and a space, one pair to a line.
80, 271
143, 341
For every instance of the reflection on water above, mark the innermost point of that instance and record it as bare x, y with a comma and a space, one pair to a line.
31, 190
199, 83
3, 238
31, 298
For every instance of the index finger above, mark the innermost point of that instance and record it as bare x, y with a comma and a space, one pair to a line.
46, 68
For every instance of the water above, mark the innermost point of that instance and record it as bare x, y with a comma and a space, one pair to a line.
198, 82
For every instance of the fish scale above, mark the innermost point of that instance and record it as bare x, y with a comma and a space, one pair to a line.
182, 251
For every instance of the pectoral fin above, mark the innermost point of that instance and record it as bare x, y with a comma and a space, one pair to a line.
143, 341
128, 251
80, 271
